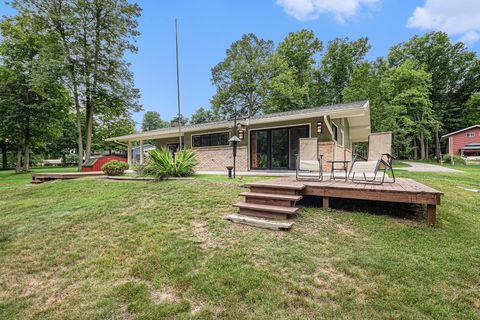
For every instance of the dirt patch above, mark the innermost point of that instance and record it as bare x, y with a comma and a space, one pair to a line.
345, 229
205, 238
161, 296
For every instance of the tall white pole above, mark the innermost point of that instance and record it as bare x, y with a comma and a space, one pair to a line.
178, 89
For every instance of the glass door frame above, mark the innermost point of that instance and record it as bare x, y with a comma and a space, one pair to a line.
269, 142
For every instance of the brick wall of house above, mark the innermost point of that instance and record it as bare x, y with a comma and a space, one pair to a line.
217, 158
333, 151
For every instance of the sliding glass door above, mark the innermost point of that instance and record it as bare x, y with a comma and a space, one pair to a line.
275, 148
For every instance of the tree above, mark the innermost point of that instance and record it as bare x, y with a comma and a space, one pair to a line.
337, 66
292, 68
66, 142
454, 72
152, 120
32, 99
241, 77
473, 109
369, 82
94, 36
411, 94
202, 115
108, 125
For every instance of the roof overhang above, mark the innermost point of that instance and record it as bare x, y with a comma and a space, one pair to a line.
358, 118
461, 130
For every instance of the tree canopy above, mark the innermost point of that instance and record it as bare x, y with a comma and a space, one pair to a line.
152, 120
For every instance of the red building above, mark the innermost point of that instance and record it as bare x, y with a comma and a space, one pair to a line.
96, 163
465, 142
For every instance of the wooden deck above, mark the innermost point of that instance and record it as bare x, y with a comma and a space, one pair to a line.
286, 191
47, 176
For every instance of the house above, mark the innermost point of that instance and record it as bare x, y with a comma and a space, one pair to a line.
464, 142
136, 152
268, 141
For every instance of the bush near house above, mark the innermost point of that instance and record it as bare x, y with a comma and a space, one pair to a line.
115, 168
456, 159
162, 165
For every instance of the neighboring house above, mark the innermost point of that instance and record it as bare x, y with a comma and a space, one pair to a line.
270, 141
136, 152
465, 142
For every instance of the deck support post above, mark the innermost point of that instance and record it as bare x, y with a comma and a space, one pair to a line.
431, 214
129, 154
326, 202
141, 152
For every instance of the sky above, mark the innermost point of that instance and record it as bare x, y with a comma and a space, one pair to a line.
208, 27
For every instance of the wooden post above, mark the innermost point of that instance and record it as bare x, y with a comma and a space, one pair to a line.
326, 202
141, 151
431, 214
129, 154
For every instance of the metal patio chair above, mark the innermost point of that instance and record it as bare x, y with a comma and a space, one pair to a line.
309, 162
380, 160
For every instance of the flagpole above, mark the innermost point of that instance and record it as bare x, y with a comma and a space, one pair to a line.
178, 89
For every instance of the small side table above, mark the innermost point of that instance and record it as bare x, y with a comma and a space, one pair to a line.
342, 168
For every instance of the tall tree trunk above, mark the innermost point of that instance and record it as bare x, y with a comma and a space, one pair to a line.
438, 154
78, 115
26, 137
59, 25
427, 150
18, 165
421, 139
415, 149
26, 157
89, 131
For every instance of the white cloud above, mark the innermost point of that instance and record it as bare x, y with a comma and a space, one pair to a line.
455, 17
312, 9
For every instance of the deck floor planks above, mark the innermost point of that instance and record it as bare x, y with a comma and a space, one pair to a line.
403, 190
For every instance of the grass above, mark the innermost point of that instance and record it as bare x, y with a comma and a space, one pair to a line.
93, 248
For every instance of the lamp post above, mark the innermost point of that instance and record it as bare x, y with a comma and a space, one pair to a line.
235, 140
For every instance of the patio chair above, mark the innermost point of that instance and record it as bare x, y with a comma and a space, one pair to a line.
309, 162
374, 168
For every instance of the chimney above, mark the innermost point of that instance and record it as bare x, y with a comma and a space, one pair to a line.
174, 122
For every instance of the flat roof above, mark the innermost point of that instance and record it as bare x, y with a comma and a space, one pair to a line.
357, 108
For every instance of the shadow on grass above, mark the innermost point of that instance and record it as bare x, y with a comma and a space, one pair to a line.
393, 209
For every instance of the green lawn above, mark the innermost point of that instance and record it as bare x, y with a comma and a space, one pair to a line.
93, 248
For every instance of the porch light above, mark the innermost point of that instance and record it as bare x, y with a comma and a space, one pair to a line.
319, 127
241, 134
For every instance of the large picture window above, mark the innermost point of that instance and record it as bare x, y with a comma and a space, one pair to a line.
210, 140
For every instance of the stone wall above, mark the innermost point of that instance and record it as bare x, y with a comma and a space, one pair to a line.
217, 158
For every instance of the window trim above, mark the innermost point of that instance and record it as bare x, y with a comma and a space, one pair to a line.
335, 131
210, 133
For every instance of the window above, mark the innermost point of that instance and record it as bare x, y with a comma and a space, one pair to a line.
470, 134
210, 140
335, 132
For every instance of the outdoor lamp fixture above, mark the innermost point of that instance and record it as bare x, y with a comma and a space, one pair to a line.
319, 127
241, 134
234, 140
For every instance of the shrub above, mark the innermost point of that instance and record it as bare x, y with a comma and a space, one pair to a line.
161, 164
114, 168
456, 159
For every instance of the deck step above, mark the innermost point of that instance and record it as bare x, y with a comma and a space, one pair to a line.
267, 185
266, 208
271, 196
